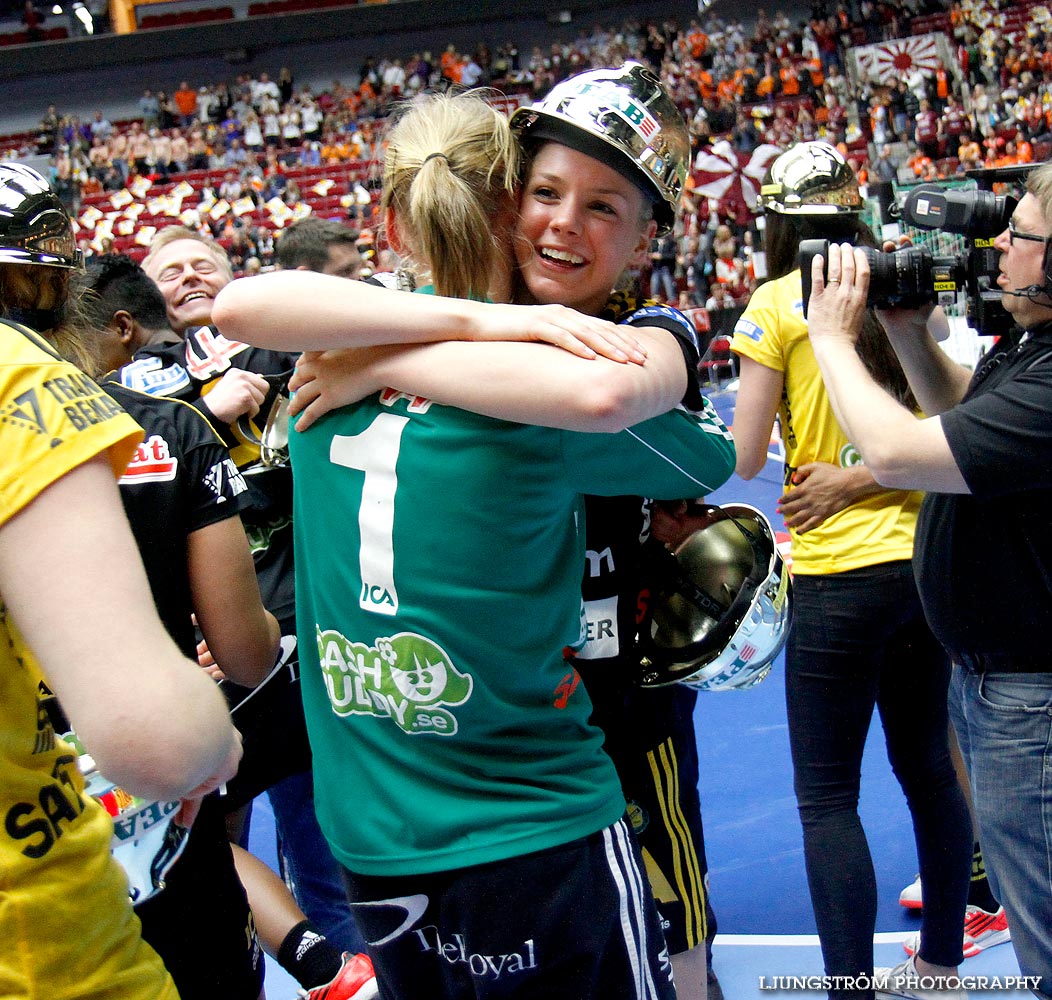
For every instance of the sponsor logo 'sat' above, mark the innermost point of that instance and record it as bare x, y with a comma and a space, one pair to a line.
406, 677
37, 825
151, 463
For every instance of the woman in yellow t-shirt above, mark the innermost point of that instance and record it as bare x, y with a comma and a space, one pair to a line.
859, 639
77, 620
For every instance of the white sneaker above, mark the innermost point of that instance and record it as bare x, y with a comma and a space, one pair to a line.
982, 930
911, 897
905, 983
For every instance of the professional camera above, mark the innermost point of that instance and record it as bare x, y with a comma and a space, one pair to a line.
915, 276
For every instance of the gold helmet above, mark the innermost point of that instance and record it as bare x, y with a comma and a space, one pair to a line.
811, 178
719, 609
34, 226
626, 110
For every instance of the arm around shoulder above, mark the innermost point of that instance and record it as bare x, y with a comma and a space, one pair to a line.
540, 384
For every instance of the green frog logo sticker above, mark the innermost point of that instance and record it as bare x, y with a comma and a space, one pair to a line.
406, 678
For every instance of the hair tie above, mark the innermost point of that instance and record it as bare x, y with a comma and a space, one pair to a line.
433, 156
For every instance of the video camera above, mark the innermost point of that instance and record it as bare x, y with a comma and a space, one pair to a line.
914, 276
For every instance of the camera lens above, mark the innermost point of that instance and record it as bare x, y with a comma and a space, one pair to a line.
902, 278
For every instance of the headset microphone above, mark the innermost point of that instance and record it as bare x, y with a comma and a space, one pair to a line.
1031, 291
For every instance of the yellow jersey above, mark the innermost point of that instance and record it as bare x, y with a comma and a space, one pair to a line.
876, 529
67, 928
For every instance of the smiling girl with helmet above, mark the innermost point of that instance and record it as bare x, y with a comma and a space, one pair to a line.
481, 769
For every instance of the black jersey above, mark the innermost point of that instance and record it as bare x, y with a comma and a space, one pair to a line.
649, 733
617, 527
984, 560
188, 371
180, 479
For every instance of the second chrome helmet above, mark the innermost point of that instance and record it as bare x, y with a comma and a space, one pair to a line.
811, 178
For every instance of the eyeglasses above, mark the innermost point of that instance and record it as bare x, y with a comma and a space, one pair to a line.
1014, 234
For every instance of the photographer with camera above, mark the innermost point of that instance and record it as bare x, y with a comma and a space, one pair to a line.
858, 639
984, 537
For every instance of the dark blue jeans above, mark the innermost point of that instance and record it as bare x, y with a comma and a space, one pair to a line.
859, 640
1004, 725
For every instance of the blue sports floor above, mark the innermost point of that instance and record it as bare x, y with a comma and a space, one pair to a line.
752, 834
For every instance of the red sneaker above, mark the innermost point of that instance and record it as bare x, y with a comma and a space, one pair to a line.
355, 981
982, 930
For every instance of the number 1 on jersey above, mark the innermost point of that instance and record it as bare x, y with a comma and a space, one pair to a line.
375, 452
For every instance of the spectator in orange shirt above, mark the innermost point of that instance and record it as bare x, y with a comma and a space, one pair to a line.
789, 79
449, 62
969, 152
697, 41
706, 85
186, 104
335, 148
768, 85
942, 88
918, 161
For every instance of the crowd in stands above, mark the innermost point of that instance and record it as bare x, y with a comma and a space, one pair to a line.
241, 159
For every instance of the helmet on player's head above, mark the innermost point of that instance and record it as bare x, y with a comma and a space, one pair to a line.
34, 225
720, 607
624, 111
811, 178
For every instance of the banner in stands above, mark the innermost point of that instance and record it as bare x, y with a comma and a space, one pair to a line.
901, 58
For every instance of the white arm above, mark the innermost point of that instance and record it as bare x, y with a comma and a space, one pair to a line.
74, 584
938, 382
900, 450
759, 393
307, 311
526, 383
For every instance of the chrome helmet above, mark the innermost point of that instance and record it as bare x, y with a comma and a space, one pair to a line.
720, 608
34, 225
625, 109
811, 178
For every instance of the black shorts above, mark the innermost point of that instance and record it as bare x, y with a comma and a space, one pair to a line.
200, 924
273, 730
650, 738
574, 922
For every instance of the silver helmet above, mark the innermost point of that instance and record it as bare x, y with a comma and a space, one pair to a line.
720, 608
811, 178
34, 225
627, 110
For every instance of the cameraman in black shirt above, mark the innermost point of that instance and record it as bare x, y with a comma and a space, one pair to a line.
984, 539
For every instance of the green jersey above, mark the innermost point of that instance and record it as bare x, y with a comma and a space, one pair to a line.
438, 577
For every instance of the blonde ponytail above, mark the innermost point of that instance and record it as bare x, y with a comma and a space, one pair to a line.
450, 167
